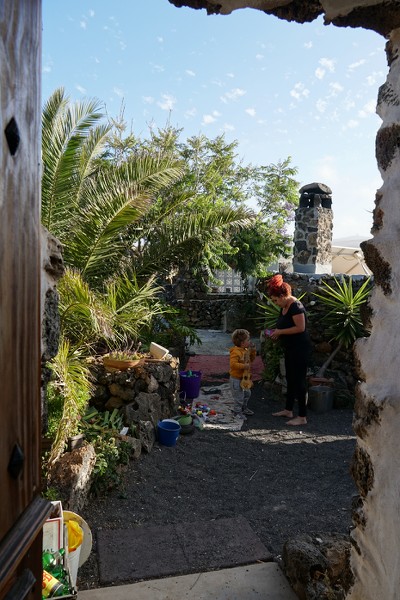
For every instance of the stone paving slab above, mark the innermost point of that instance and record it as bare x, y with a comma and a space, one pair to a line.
146, 552
261, 581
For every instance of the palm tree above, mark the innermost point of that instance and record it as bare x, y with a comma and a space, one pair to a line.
116, 239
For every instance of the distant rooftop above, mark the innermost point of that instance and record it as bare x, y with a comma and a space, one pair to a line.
350, 242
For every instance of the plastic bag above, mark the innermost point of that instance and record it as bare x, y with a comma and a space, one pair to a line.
75, 535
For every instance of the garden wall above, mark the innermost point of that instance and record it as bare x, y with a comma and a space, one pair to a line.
205, 310
145, 394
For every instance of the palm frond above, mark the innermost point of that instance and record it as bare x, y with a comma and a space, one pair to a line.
73, 381
65, 128
85, 317
111, 203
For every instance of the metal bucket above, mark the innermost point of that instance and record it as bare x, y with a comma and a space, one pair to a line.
320, 398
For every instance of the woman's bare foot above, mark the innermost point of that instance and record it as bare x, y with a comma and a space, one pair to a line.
297, 421
283, 413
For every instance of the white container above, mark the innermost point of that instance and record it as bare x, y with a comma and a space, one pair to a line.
158, 351
73, 561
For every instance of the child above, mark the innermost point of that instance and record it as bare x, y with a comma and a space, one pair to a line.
241, 356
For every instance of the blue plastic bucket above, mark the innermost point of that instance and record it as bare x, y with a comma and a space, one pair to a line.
190, 382
168, 432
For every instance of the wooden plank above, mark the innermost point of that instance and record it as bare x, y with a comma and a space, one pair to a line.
20, 108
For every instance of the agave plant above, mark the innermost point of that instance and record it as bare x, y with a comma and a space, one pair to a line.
343, 318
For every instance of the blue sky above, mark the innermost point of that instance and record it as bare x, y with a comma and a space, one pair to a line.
281, 89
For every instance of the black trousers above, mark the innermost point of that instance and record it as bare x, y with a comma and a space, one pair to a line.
296, 364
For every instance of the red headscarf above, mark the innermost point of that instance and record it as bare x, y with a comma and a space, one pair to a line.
277, 287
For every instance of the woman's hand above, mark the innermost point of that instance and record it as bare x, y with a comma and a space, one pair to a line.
275, 334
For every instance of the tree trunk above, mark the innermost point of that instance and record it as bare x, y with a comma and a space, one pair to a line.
321, 370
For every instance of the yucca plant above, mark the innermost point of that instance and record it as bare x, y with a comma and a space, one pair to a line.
343, 319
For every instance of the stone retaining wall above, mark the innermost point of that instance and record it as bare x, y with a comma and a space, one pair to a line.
146, 394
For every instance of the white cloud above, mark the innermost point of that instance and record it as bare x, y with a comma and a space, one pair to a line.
349, 103
326, 170
259, 56
367, 109
321, 105
190, 73
80, 88
328, 63
355, 65
376, 78
228, 127
231, 75
234, 94
351, 124
160, 39
336, 88
251, 112
47, 68
91, 13
308, 45
299, 91
118, 92
191, 112
82, 24
148, 99
207, 119
157, 68
167, 103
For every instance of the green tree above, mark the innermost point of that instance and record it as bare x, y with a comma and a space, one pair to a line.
215, 178
119, 231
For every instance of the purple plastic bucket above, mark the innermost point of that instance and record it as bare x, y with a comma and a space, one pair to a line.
189, 382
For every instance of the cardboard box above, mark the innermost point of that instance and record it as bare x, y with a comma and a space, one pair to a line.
53, 529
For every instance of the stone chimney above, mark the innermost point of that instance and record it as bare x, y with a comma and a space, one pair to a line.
312, 251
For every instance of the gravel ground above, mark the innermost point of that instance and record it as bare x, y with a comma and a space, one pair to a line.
284, 480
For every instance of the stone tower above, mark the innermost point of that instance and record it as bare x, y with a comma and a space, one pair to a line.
312, 251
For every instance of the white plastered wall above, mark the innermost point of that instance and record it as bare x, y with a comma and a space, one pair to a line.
376, 557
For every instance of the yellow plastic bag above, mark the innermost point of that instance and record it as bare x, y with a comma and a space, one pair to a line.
75, 535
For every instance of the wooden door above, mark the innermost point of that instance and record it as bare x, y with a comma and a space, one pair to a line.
22, 511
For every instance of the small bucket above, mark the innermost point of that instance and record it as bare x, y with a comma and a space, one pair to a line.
190, 382
168, 432
320, 398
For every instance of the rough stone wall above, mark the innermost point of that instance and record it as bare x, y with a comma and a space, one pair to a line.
376, 467
313, 240
145, 394
52, 268
219, 311
382, 16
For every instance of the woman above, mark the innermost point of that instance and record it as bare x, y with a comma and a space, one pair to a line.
291, 330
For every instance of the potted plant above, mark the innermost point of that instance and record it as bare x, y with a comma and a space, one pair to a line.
123, 359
